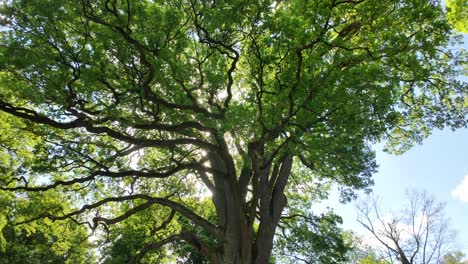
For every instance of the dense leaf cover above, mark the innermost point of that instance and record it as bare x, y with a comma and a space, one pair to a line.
214, 124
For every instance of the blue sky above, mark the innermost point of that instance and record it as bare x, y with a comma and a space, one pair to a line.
438, 166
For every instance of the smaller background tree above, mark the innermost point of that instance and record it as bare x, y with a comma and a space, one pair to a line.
360, 252
418, 234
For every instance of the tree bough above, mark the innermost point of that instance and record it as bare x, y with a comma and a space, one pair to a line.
136, 105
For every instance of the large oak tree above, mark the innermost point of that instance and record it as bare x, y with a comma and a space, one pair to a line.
146, 106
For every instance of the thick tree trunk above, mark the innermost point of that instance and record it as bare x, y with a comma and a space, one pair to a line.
237, 235
229, 203
264, 243
272, 204
236, 216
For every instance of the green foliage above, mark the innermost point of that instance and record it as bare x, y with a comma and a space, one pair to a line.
371, 259
311, 239
43, 240
458, 14
132, 110
359, 252
455, 257
125, 239
22, 239
58, 243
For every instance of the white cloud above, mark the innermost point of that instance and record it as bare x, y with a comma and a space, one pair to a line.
461, 190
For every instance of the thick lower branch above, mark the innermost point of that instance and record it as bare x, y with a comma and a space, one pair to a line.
35, 117
179, 208
111, 174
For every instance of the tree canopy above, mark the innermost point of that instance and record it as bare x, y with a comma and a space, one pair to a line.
142, 109
458, 14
